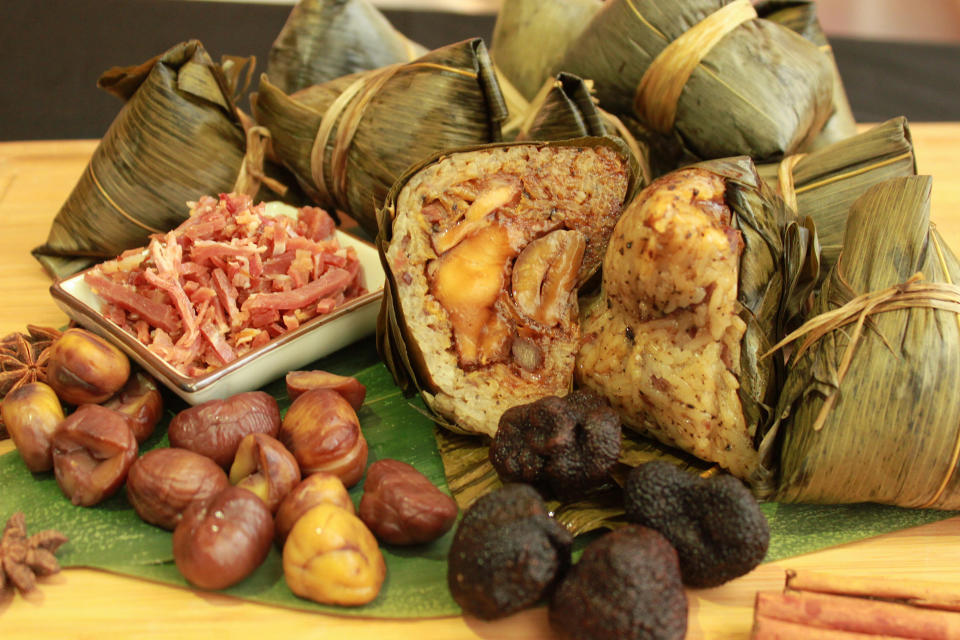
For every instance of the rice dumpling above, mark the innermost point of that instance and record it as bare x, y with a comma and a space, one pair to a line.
709, 72
484, 252
326, 39
531, 36
691, 298
869, 410
565, 108
801, 16
177, 137
348, 140
825, 183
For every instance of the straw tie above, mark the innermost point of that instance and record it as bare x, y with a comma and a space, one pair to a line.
785, 183
345, 114
661, 85
251, 174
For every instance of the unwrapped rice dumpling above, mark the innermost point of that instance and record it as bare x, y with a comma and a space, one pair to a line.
348, 140
692, 284
708, 72
484, 252
869, 410
326, 39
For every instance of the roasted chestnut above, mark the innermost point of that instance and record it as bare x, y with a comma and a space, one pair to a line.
322, 431
317, 489
215, 428
141, 400
221, 540
350, 388
32, 414
331, 557
84, 368
401, 506
162, 483
264, 466
93, 450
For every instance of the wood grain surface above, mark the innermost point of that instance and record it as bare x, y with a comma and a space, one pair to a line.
36, 177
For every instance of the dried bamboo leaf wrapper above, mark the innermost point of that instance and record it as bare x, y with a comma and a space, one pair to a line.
485, 249
824, 184
326, 39
869, 412
689, 304
347, 141
800, 16
565, 108
176, 138
756, 89
530, 38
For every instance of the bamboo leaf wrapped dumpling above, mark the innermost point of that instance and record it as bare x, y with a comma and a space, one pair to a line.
708, 72
326, 39
348, 140
694, 283
484, 251
868, 412
177, 137
801, 16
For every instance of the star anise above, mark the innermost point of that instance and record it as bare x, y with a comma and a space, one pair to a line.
23, 357
23, 559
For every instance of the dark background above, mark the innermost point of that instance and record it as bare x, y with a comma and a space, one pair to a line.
53, 51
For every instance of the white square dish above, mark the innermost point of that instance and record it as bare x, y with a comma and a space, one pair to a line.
292, 350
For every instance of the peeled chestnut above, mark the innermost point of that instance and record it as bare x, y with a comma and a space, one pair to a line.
221, 540
162, 483
84, 368
317, 489
93, 450
322, 431
350, 388
32, 414
331, 557
401, 506
141, 400
264, 466
215, 428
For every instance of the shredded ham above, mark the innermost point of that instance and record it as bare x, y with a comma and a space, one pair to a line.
227, 280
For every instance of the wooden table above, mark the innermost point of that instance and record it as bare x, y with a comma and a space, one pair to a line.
35, 178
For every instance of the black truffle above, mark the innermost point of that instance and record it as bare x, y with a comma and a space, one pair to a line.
626, 587
715, 524
563, 446
507, 553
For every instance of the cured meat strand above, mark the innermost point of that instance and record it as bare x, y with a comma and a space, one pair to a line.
322, 287
155, 313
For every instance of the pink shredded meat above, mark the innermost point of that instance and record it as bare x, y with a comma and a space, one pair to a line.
227, 280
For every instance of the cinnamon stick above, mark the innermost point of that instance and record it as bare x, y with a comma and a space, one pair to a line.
765, 628
859, 615
920, 593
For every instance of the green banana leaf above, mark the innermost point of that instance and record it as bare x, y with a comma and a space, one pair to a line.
110, 536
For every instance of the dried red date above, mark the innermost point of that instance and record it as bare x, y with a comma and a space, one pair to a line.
162, 483
221, 540
92, 451
215, 428
401, 506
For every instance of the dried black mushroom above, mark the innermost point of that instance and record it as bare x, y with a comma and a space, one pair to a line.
566, 446
626, 586
715, 523
507, 553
